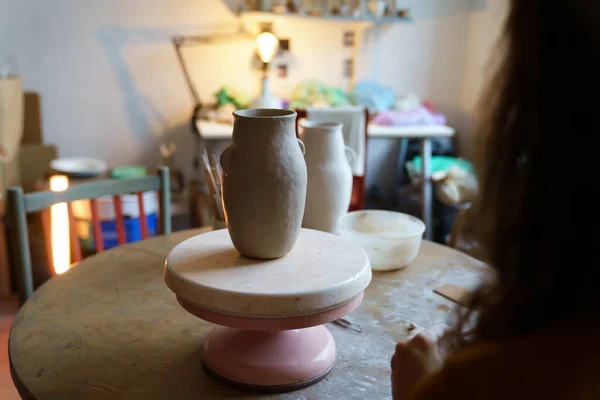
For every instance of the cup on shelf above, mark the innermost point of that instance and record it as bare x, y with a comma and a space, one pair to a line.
377, 8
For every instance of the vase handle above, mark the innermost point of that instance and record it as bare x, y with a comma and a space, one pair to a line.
301, 144
226, 160
350, 154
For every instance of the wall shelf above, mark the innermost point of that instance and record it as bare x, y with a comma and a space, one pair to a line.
336, 18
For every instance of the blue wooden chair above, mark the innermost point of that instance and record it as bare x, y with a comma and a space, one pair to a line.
19, 204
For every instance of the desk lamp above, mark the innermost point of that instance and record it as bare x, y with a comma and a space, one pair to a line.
267, 45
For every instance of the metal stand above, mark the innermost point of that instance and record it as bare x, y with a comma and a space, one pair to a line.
184, 41
427, 188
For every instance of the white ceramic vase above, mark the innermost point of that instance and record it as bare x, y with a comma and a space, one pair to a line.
329, 176
264, 183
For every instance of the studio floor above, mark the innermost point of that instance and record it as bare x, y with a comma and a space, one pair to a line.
8, 309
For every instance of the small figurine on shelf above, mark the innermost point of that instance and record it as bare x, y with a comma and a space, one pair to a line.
294, 6
340, 7
263, 5
344, 7
357, 9
377, 8
402, 13
315, 8
335, 8
279, 7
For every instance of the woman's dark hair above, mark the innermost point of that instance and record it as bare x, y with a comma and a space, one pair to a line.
537, 213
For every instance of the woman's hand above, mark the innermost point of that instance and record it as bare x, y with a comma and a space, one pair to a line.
414, 359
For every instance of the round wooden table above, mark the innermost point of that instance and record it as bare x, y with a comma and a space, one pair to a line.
110, 328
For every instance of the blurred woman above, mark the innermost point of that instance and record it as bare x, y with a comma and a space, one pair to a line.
532, 332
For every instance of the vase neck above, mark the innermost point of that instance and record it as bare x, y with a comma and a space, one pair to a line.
324, 140
263, 125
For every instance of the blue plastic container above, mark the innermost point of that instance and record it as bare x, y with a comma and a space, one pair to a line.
133, 231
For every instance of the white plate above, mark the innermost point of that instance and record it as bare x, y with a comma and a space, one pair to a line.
79, 167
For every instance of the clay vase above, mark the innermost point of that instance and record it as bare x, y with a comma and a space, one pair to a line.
329, 176
264, 183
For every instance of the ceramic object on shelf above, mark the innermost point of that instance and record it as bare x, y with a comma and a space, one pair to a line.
264, 183
402, 13
294, 6
263, 5
344, 8
390, 239
279, 7
400, 9
329, 175
377, 8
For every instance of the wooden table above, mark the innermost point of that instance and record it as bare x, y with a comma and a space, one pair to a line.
111, 329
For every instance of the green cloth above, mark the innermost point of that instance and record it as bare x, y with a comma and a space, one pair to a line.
128, 171
228, 94
443, 163
311, 92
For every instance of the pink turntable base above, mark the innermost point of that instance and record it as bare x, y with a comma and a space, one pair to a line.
271, 313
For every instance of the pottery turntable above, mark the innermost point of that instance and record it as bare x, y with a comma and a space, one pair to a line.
270, 313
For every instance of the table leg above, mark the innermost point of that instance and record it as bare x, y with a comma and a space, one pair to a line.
402, 160
427, 187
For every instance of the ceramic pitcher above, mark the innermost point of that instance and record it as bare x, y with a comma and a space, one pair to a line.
329, 176
264, 183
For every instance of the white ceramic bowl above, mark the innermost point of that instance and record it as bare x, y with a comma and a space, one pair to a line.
79, 167
390, 239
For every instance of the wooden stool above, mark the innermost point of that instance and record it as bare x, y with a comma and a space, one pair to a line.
271, 312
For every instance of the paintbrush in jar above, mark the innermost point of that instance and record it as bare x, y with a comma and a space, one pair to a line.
212, 187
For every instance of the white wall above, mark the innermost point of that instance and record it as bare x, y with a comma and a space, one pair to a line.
485, 26
426, 57
486, 22
111, 86
106, 71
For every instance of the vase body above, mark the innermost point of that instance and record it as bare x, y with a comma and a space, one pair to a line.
264, 183
329, 176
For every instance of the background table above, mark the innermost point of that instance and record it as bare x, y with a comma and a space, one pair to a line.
219, 131
111, 329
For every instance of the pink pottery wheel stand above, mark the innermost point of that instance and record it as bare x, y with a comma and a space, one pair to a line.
271, 312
